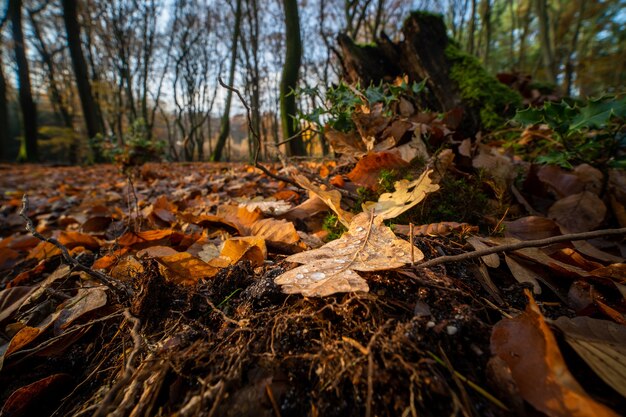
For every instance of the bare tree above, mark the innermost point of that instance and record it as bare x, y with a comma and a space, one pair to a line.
29, 152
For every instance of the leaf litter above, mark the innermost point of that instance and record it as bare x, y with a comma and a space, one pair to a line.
215, 319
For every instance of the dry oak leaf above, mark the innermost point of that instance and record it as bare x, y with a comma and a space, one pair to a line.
580, 212
407, 195
368, 169
185, 269
332, 198
368, 245
529, 348
602, 344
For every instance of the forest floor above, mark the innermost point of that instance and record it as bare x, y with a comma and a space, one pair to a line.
166, 301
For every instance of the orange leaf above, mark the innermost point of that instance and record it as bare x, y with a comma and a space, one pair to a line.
367, 170
73, 239
131, 238
183, 268
22, 338
529, 348
44, 250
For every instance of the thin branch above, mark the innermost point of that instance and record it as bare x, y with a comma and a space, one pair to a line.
521, 245
116, 287
256, 138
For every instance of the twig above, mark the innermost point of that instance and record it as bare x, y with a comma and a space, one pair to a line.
118, 288
255, 135
521, 245
109, 400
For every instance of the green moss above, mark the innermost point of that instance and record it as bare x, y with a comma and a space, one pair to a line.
334, 227
459, 199
479, 88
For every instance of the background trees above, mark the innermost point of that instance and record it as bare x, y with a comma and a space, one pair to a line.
83, 72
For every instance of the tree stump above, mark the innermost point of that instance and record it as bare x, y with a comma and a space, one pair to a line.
454, 78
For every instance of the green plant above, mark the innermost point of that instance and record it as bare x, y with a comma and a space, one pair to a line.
343, 100
333, 226
592, 132
137, 147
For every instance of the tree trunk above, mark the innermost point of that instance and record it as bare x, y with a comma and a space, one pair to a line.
289, 79
546, 45
569, 65
225, 123
55, 95
80, 69
29, 110
455, 79
4, 115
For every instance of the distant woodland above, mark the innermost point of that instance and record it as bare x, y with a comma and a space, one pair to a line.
80, 77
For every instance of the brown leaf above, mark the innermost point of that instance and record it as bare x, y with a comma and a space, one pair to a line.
74, 239
531, 227
279, 234
85, 300
493, 260
12, 298
436, 229
580, 212
522, 274
44, 250
406, 196
367, 170
33, 398
332, 198
368, 245
185, 269
345, 143
559, 181
251, 248
530, 350
602, 344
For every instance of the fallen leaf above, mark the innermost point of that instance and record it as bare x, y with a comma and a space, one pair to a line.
251, 248
559, 181
436, 229
332, 198
345, 143
601, 344
37, 398
44, 250
8, 258
367, 171
74, 239
531, 228
279, 234
530, 350
185, 269
406, 196
591, 251
85, 300
12, 298
368, 245
522, 274
580, 212
497, 166
492, 260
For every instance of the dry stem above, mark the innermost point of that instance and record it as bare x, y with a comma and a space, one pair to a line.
520, 245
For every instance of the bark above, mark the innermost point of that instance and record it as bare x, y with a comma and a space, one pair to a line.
81, 73
55, 95
541, 8
225, 123
30, 151
289, 79
4, 115
569, 65
425, 54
